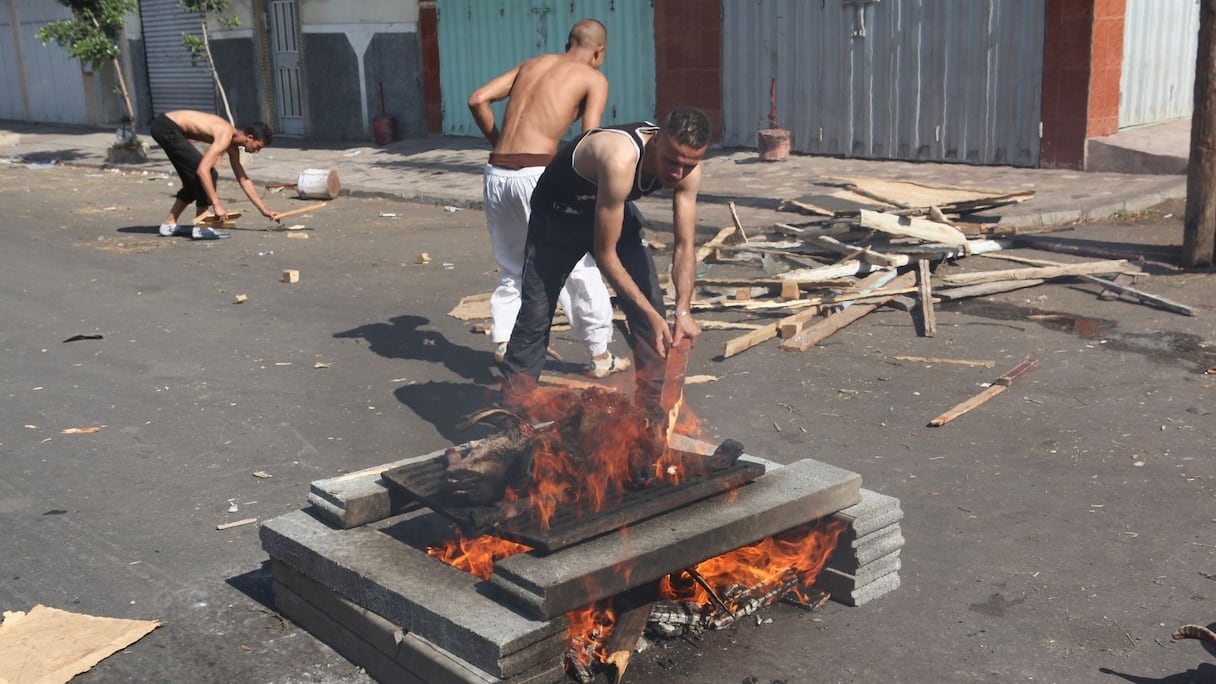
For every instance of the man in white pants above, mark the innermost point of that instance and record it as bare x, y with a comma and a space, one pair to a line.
545, 94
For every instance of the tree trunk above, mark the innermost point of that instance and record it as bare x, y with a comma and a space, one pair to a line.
122, 86
215, 74
1199, 235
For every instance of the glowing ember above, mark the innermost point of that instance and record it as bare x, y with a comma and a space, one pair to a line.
476, 556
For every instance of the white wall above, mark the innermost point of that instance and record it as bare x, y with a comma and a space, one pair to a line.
363, 11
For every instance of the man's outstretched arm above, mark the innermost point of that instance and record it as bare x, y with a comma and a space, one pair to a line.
481, 99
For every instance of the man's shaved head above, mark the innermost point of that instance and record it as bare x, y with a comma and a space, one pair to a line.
589, 34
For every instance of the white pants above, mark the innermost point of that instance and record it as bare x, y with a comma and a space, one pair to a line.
507, 196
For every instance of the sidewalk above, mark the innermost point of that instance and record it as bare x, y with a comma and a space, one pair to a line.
447, 171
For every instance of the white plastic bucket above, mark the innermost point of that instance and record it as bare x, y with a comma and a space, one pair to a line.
318, 184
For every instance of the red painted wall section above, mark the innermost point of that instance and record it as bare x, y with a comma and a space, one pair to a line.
1082, 64
1107, 67
428, 39
688, 58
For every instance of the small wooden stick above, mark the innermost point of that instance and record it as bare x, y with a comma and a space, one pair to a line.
301, 210
928, 317
999, 385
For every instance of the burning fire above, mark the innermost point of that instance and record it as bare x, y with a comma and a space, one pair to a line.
618, 448
476, 556
589, 629
802, 551
758, 573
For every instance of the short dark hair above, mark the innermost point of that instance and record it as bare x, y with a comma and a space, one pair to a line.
688, 126
259, 130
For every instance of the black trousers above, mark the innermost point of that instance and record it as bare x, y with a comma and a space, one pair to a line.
185, 158
549, 256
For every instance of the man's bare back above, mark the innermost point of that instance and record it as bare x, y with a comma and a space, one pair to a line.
546, 95
550, 92
202, 126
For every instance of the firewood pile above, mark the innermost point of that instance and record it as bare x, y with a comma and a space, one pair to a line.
870, 243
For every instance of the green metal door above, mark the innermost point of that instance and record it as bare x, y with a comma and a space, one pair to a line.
480, 39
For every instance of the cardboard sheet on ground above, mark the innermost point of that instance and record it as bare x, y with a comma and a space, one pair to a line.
48, 645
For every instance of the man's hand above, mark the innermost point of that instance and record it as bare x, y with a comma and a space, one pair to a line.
272, 215
686, 327
661, 333
220, 212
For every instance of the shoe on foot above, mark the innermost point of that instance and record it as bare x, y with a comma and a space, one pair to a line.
602, 368
205, 233
500, 352
174, 230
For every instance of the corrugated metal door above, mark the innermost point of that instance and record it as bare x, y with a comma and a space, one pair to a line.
54, 82
174, 82
480, 39
1160, 42
285, 55
12, 105
939, 80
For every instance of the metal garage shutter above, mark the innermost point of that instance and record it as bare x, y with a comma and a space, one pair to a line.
173, 81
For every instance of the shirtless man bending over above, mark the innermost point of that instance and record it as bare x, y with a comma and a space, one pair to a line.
173, 131
546, 95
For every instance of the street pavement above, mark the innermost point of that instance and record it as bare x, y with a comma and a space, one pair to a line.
447, 171
1059, 533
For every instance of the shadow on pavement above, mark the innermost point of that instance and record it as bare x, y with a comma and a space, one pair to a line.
443, 404
1204, 674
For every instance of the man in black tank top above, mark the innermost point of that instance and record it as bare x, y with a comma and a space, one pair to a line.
584, 202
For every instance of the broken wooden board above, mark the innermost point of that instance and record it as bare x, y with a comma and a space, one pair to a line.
1143, 297
946, 198
208, 218
1040, 272
830, 325
912, 226
998, 386
514, 520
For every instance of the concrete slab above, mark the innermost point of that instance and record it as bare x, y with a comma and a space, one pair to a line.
380, 647
361, 497
443, 605
845, 589
777, 501
874, 512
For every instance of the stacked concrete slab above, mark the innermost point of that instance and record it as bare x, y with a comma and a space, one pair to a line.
344, 571
865, 564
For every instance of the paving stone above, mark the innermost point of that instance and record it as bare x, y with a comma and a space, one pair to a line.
844, 588
608, 565
871, 571
375, 569
874, 512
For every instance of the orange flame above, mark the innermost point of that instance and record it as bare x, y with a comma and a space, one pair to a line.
589, 630
617, 448
803, 550
476, 556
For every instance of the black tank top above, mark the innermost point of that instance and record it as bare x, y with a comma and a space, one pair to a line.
563, 203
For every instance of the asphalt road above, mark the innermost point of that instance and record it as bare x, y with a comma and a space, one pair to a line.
1058, 534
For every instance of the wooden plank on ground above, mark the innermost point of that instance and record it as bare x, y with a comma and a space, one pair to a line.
955, 293
1041, 272
751, 339
1144, 297
716, 241
999, 385
928, 317
865, 254
830, 325
912, 226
